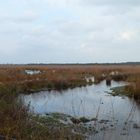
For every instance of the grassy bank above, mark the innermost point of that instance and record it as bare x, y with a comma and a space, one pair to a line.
16, 122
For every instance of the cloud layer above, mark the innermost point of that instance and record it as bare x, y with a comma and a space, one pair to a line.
69, 31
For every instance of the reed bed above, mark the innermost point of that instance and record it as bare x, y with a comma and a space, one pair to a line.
17, 123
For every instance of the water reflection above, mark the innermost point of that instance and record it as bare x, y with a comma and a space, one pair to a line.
91, 101
83, 101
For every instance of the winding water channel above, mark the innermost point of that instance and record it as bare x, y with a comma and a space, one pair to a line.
92, 101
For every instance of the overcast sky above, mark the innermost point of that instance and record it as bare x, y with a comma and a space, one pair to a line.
69, 31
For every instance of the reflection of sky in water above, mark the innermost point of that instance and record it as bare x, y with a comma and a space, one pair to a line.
84, 101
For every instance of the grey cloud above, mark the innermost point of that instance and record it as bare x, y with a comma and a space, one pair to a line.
110, 2
21, 18
97, 30
18, 19
89, 2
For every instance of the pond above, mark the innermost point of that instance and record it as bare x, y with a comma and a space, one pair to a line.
93, 102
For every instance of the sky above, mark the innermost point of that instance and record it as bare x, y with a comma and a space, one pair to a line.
69, 31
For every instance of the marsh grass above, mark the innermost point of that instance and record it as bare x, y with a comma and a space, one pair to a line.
17, 123
15, 120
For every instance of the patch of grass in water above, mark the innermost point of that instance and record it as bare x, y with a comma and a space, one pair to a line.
120, 91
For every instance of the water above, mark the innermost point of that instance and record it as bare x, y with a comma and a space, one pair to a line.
32, 72
90, 79
91, 101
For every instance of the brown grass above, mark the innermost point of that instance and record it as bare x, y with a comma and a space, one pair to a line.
15, 121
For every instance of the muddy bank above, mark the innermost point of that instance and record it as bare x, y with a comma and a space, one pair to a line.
89, 129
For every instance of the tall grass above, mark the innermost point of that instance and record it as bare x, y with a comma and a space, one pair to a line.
15, 120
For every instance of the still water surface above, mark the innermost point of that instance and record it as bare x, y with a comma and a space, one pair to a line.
90, 101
